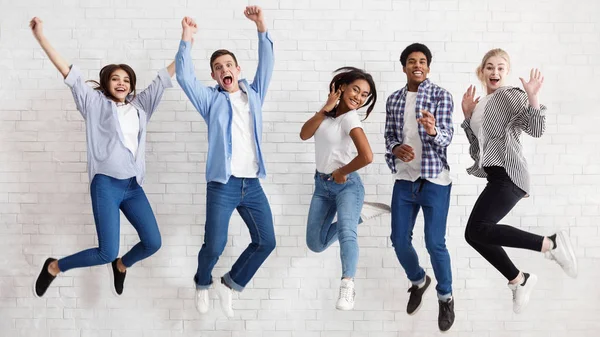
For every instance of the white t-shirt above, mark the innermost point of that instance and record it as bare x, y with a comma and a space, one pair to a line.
244, 163
130, 126
411, 171
476, 122
334, 147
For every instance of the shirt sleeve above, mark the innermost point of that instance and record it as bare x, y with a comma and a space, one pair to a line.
83, 94
351, 121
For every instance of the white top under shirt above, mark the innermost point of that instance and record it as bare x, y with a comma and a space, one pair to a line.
334, 147
476, 122
130, 125
411, 171
244, 163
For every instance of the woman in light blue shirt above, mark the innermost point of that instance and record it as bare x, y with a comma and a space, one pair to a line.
115, 117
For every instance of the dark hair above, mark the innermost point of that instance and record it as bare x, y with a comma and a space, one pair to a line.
105, 75
348, 75
415, 47
219, 53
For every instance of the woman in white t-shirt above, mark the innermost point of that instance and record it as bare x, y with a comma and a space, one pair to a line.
338, 188
494, 125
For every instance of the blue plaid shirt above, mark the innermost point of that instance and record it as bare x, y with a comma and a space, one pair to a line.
439, 102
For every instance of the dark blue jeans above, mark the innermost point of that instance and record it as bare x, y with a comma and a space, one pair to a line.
407, 198
247, 196
109, 195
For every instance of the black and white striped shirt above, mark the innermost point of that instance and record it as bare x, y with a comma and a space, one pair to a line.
505, 116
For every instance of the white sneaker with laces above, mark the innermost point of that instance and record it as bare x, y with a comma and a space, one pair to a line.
371, 210
563, 254
225, 297
522, 293
346, 299
202, 302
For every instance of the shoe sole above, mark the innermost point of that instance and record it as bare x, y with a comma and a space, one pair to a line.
422, 295
533, 279
564, 240
380, 205
33, 288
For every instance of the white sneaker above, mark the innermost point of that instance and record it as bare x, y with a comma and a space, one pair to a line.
563, 254
346, 299
225, 297
521, 293
202, 302
371, 210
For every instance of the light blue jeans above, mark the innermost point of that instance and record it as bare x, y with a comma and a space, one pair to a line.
328, 199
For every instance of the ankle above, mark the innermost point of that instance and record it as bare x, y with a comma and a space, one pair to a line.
53, 268
518, 279
120, 266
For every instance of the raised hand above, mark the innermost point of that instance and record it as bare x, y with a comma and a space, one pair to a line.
255, 14
190, 24
332, 99
428, 122
37, 27
469, 102
536, 79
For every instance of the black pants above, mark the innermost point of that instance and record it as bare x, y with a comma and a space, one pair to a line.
488, 237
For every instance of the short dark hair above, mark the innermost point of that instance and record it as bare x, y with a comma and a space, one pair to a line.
219, 53
415, 47
347, 75
105, 75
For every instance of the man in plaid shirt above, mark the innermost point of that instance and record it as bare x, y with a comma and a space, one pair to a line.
418, 130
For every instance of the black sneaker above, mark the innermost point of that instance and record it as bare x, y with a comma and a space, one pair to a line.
446, 315
118, 278
416, 295
44, 279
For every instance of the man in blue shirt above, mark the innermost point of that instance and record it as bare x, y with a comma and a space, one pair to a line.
233, 113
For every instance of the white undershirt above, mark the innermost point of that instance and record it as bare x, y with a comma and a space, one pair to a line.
244, 163
476, 122
130, 126
411, 171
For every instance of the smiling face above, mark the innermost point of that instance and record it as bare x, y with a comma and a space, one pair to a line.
416, 68
493, 73
355, 94
119, 85
226, 72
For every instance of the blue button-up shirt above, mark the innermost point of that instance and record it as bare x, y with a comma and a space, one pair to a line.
214, 106
439, 102
106, 150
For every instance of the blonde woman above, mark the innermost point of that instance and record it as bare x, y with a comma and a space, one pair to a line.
494, 124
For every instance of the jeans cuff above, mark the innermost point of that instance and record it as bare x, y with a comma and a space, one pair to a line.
202, 286
445, 297
231, 283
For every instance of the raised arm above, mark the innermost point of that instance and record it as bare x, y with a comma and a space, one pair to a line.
150, 97
532, 115
196, 92
266, 62
37, 28
310, 127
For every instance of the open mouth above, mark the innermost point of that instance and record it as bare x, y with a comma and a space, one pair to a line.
227, 80
494, 81
120, 90
354, 103
418, 73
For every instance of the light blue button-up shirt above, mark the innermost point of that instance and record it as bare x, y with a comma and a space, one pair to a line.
214, 106
106, 151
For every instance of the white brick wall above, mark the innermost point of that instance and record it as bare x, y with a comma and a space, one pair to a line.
45, 208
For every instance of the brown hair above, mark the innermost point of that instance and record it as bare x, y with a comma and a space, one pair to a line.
347, 75
219, 53
105, 74
494, 52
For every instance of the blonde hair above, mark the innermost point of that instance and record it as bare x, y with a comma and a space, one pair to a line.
494, 52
